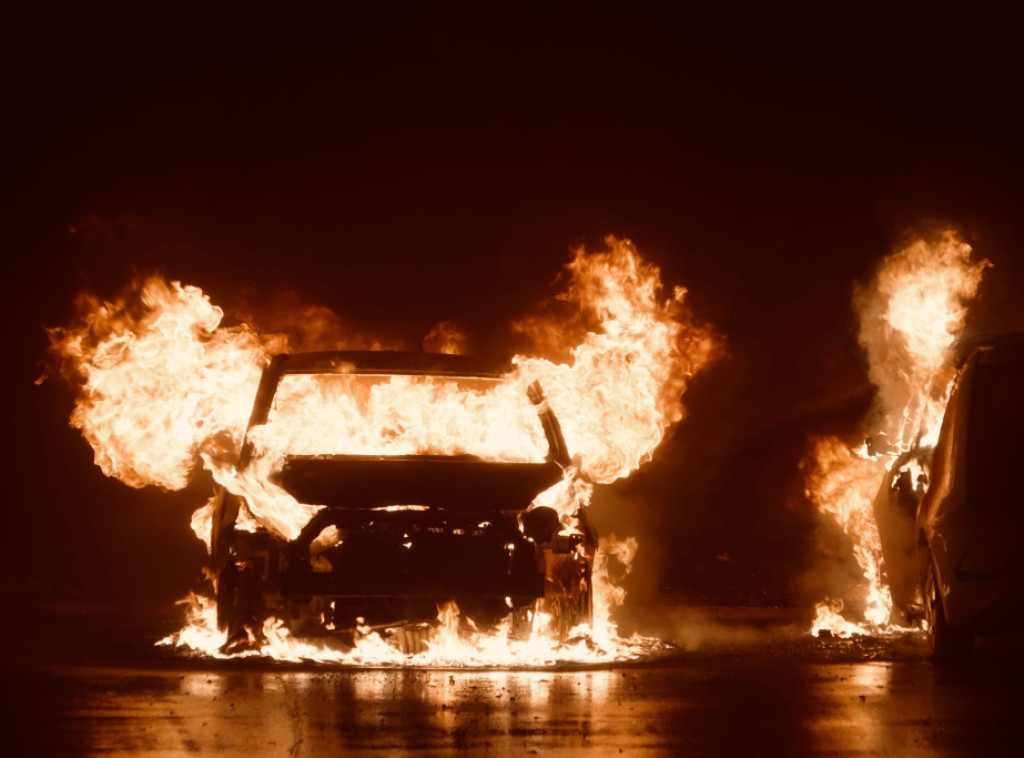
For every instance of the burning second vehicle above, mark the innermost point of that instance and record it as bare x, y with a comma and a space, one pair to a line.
375, 488
953, 549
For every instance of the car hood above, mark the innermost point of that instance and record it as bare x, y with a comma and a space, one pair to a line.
456, 483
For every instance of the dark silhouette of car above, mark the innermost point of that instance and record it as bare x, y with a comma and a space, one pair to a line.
398, 535
965, 574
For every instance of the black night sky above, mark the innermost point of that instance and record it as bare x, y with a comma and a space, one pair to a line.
408, 165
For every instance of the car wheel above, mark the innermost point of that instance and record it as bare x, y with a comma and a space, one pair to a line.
948, 644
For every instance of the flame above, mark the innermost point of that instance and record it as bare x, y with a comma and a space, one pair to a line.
157, 375
624, 384
843, 483
911, 315
163, 385
402, 415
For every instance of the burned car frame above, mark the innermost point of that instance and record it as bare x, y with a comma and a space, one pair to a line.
395, 535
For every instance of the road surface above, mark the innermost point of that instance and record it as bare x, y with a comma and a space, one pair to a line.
738, 684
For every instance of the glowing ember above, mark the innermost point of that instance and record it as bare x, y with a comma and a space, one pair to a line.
164, 385
911, 314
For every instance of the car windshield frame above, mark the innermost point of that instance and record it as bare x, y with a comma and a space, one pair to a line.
381, 365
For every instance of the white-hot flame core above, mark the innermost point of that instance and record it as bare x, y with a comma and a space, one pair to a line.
164, 385
359, 414
911, 315
158, 376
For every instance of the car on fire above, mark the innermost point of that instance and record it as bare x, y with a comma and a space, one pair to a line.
959, 565
401, 525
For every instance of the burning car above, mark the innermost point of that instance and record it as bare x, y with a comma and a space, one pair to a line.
968, 563
418, 477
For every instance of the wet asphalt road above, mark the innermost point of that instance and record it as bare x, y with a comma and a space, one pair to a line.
740, 683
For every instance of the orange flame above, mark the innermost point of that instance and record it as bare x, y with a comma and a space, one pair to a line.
911, 314
627, 376
843, 483
158, 376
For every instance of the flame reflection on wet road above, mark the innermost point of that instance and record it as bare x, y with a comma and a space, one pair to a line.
706, 706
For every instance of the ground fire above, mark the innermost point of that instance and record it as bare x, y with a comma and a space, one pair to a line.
910, 315
163, 384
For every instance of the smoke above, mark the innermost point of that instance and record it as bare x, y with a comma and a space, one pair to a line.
300, 326
447, 336
716, 630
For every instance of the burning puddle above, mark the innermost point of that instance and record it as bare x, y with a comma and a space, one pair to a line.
163, 383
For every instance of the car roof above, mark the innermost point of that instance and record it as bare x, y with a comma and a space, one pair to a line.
1009, 342
386, 362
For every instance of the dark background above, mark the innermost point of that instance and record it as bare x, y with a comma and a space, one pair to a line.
409, 165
